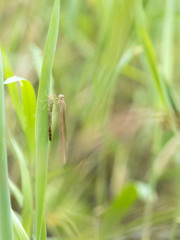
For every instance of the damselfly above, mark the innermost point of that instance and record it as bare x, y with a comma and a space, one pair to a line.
50, 110
52, 99
62, 106
50, 102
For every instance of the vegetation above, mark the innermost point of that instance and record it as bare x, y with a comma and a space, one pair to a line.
116, 63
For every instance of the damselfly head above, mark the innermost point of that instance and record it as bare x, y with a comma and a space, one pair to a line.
61, 96
51, 96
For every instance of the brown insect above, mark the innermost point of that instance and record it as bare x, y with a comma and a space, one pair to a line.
62, 106
50, 110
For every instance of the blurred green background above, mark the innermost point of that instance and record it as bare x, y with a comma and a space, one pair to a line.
114, 58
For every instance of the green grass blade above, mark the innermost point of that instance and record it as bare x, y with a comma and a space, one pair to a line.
5, 206
29, 105
43, 232
150, 55
42, 118
19, 232
16, 193
167, 40
27, 212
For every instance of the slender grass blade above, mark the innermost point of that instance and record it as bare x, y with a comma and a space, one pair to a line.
5, 205
42, 118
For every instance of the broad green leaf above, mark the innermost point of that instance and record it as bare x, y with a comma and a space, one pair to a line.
29, 104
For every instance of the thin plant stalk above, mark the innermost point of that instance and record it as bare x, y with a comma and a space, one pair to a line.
6, 231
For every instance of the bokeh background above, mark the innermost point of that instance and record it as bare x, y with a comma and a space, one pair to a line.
121, 180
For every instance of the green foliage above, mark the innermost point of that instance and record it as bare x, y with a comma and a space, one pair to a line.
116, 62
